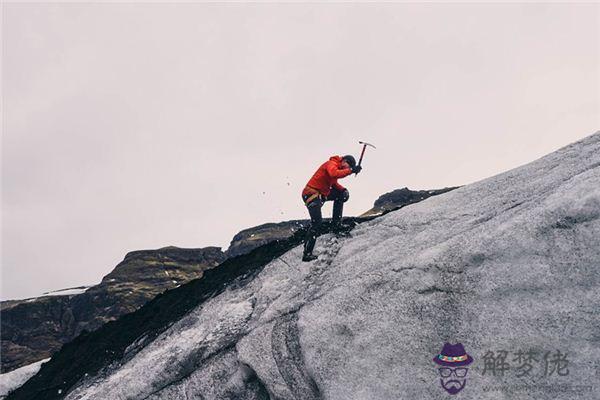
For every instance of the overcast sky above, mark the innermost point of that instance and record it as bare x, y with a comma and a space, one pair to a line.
139, 126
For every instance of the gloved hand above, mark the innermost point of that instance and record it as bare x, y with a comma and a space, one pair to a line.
356, 169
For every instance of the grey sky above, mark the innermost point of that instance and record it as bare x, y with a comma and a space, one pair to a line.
135, 126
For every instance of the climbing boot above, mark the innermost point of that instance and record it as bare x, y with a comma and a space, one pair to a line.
309, 257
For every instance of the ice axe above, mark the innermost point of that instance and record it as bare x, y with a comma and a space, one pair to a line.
365, 144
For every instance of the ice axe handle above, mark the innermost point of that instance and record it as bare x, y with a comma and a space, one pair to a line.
362, 153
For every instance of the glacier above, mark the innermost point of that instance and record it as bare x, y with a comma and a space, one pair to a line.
510, 262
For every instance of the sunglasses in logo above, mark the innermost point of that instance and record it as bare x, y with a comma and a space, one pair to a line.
459, 372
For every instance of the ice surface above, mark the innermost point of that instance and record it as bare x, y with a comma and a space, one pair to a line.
13, 379
510, 262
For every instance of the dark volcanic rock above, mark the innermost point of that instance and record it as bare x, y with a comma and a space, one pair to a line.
249, 239
402, 197
33, 329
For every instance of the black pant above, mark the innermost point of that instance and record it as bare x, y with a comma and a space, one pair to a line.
316, 218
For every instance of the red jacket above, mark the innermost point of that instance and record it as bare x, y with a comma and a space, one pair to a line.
327, 175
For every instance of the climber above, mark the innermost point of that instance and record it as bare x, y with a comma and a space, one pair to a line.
322, 187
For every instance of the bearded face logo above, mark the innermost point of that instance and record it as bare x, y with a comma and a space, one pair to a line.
452, 362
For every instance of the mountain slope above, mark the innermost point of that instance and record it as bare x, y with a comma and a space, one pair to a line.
35, 328
510, 262
118, 340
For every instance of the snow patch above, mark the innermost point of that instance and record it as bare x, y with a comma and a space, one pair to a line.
67, 292
14, 379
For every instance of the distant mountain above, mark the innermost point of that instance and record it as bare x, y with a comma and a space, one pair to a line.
33, 329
